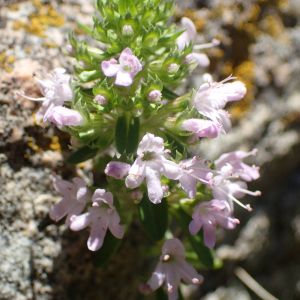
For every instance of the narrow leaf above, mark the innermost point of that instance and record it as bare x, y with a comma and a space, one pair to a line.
121, 134
154, 217
81, 155
169, 94
133, 136
161, 295
85, 28
124, 5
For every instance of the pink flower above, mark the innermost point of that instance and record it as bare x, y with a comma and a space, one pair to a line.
56, 91
150, 164
203, 128
225, 190
212, 97
75, 198
246, 172
125, 71
63, 116
171, 268
102, 215
208, 215
193, 171
190, 35
117, 169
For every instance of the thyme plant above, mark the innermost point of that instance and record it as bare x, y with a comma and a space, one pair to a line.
131, 121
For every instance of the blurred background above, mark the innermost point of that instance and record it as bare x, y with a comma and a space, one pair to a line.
40, 260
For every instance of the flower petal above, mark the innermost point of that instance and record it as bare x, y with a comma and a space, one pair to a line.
157, 278
155, 192
81, 221
61, 209
110, 69
96, 237
115, 228
124, 78
202, 59
209, 235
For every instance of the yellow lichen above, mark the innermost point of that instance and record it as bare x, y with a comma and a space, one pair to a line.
272, 25
6, 62
40, 20
55, 145
14, 6
49, 44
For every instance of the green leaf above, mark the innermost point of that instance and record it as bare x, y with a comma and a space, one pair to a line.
154, 217
169, 94
124, 5
110, 246
105, 140
87, 76
161, 295
127, 133
205, 255
85, 28
81, 155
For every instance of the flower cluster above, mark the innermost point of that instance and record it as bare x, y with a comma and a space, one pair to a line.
141, 133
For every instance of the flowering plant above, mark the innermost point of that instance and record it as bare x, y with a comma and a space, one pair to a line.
131, 114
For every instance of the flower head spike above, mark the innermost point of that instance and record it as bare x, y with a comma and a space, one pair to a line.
102, 215
172, 268
240, 169
150, 164
129, 65
208, 215
193, 171
75, 194
56, 91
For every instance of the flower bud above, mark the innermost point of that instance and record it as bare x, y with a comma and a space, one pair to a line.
154, 95
137, 111
100, 99
188, 59
70, 49
136, 194
172, 68
127, 30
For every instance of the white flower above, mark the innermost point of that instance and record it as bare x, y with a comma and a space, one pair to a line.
171, 268
208, 215
224, 189
212, 97
56, 91
63, 116
190, 35
240, 169
75, 197
102, 215
193, 171
150, 164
